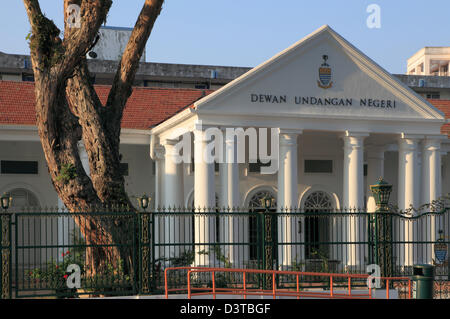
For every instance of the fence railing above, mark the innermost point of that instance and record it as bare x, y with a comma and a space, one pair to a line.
298, 290
122, 253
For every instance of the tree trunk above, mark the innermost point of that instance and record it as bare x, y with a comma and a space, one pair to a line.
68, 110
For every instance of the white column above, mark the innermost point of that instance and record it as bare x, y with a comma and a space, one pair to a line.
84, 157
353, 193
431, 170
204, 199
375, 170
173, 199
65, 225
173, 176
431, 190
158, 158
229, 199
407, 197
426, 66
229, 175
287, 193
159, 221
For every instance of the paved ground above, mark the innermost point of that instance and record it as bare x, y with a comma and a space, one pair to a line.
378, 294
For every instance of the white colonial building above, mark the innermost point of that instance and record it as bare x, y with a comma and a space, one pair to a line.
329, 128
339, 119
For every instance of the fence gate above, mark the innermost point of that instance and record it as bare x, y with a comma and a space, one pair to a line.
36, 248
66, 254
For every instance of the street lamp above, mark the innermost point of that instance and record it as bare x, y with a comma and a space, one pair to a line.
267, 202
6, 200
144, 201
381, 192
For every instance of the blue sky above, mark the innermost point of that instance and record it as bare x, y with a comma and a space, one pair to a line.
247, 32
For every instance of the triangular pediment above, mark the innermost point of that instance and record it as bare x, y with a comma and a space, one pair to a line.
322, 75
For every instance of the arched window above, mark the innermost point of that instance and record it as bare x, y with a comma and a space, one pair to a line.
22, 198
255, 201
317, 203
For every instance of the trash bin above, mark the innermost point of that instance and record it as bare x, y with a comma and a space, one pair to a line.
423, 280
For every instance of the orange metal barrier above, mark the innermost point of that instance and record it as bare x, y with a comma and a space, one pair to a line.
245, 291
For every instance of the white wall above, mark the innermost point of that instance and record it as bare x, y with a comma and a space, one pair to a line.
141, 177
139, 181
310, 146
39, 184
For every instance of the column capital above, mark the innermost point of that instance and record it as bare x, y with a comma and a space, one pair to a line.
169, 142
171, 151
286, 131
431, 144
288, 139
355, 134
354, 139
159, 152
415, 137
434, 141
409, 142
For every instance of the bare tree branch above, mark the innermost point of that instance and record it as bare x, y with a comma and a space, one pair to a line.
123, 81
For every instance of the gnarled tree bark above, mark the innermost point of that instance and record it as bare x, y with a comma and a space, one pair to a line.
68, 110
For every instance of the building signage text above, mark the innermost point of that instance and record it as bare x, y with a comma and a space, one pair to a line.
312, 100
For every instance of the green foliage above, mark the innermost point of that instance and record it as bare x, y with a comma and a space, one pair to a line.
28, 37
44, 40
112, 278
222, 280
67, 173
54, 274
323, 256
298, 266
186, 258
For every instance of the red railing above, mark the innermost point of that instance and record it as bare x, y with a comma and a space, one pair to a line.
274, 291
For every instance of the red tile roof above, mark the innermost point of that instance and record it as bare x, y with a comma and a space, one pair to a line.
444, 106
145, 108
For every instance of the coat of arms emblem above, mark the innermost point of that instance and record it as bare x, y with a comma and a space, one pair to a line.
440, 249
325, 74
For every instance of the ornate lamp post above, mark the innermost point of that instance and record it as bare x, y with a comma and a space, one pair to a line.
382, 223
381, 192
267, 203
144, 202
5, 221
146, 230
6, 201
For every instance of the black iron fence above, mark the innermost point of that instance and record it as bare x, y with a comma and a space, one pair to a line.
123, 253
